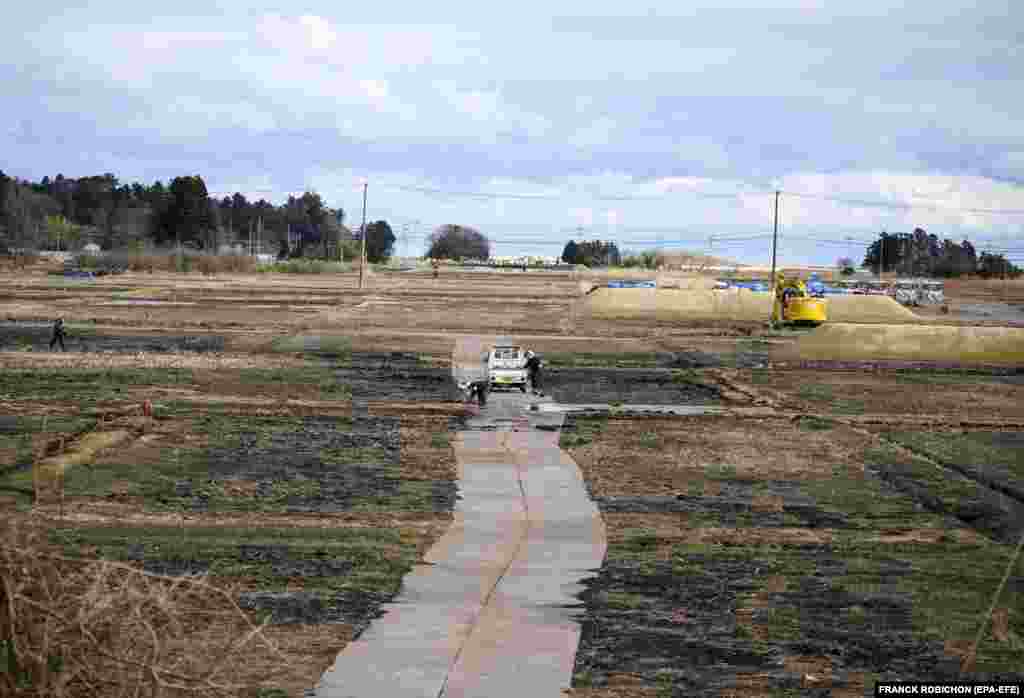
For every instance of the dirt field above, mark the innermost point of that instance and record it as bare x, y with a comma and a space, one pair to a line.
841, 523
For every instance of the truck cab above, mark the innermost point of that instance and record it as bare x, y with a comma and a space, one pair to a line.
506, 365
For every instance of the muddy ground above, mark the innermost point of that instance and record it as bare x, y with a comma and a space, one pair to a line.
769, 555
742, 564
641, 386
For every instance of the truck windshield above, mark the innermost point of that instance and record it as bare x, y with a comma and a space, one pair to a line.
506, 353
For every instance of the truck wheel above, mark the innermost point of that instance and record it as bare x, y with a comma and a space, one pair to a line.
522, 387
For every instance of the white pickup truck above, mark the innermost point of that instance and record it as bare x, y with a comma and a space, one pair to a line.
506, 365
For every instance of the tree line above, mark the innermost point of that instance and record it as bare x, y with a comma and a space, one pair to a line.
61, 213
592, 253
922, 254
907, 254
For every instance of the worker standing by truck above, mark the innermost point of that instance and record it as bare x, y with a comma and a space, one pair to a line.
533, 365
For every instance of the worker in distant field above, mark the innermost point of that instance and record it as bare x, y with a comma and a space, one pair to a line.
533, 364
58, 334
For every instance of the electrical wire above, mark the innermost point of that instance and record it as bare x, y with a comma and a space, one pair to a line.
865, 203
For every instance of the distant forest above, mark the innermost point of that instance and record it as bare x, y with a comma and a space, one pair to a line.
920, 254
65, 214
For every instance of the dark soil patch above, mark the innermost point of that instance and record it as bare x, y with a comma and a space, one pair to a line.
733, 508
345, 578
741, 358
995, 459
16, 335
642, 386
678, 620
314, 464
355, 607
396, 376
982, 508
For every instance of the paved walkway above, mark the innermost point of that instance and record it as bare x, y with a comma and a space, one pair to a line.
487, 616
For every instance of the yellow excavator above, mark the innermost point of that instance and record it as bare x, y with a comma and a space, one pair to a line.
794, 305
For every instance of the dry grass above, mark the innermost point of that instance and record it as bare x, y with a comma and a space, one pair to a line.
74, 627
204, 263
897, 396
980, 290
960, 344
710, 449
105, 360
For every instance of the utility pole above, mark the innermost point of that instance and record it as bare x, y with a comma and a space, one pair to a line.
881, 256
775, 241
362, 254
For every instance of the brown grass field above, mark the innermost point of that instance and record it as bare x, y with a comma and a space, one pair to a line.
846, 518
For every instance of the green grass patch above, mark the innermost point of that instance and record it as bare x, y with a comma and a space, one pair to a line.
759, 376
950, 488
650, 439
950, 586
979, 451
867, 502
602, 360
280, 379
623, 601
815, 423
304, 266
440, 439
337, 346
687, 376
824, 395
154, 474
412, 495
783, 623
75, 385
719, 471
379, 556
582, 432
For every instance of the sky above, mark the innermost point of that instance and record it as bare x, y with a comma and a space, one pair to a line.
655, 125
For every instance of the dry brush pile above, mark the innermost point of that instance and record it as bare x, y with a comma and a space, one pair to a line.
77, 627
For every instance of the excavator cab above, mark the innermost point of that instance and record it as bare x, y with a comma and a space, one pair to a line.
794, 305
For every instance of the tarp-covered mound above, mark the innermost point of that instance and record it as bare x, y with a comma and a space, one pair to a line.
738, 304
679, 304
858, 308
917, 342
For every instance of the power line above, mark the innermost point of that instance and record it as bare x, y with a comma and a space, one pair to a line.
865, 203
561, 197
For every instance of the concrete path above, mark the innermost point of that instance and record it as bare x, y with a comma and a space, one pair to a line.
487, 617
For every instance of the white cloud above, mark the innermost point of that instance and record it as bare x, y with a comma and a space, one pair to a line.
914, 199
296, 34
584, 216
378, 89
320, 34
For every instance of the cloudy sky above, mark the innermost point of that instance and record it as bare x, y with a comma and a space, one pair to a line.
655, 125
